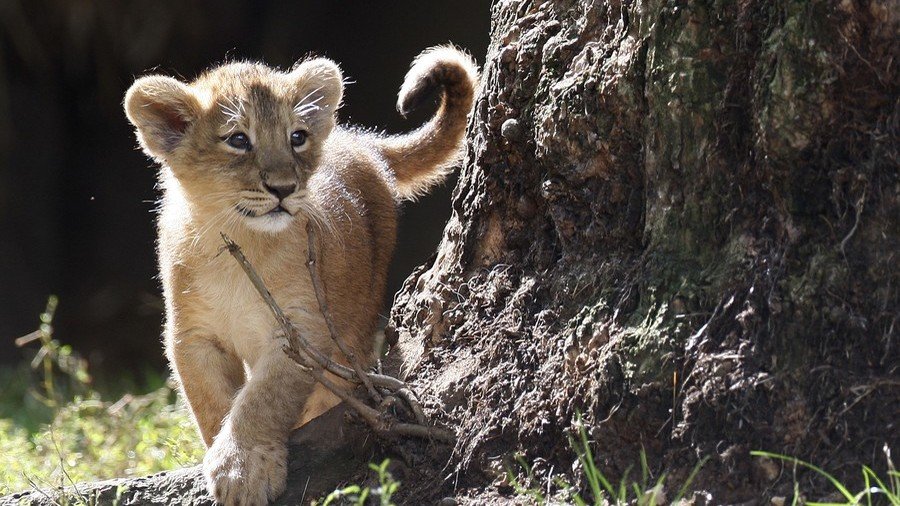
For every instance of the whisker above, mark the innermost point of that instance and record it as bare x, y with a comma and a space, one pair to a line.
313, 92
302, 107
234, 111
219, 217
306, 108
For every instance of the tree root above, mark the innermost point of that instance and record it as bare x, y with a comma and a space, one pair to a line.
301, 351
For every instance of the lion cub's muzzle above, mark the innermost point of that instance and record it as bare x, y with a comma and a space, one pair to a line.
273, 207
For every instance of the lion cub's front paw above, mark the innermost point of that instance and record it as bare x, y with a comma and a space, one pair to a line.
246, 475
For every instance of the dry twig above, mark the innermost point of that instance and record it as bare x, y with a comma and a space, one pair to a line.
312, 266
315, 362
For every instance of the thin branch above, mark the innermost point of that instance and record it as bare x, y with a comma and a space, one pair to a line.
312, 265
291, 333
379, 421
406, 394
32, 336
301, 351
296, 340
860, 205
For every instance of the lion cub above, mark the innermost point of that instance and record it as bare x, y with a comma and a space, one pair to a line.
255, 153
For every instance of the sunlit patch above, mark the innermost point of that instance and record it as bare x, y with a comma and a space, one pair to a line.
272, 222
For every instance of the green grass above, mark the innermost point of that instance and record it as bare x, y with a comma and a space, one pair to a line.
642, 490
358, 495
876, 489
56, 429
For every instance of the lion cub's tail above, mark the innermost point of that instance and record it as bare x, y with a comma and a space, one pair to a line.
423, 157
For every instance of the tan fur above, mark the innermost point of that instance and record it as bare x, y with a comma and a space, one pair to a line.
223, 344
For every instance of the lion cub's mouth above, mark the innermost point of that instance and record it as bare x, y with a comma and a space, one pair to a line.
275, 211
272, 221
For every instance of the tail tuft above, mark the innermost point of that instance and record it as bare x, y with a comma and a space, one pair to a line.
423, 157
434, 68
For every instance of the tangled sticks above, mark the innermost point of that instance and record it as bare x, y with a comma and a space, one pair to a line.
380, 388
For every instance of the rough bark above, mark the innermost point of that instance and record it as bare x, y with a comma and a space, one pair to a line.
679, 219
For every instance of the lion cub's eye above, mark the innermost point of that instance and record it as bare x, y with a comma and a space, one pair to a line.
298, 138
238, 140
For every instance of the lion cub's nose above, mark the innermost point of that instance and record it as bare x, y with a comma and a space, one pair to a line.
280, 190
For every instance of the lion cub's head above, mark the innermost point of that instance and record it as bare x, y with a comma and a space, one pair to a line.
243, 139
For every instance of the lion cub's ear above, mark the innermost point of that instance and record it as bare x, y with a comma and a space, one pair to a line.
162, 109
319, 88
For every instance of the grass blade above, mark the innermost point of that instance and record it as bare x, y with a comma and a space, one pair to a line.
687, 483
838, 485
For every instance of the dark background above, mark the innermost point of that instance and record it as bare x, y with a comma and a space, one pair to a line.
77, 197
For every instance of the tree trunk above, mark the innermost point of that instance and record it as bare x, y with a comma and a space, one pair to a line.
679, 219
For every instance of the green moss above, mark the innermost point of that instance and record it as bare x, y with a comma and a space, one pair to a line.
794, 98
687, 78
